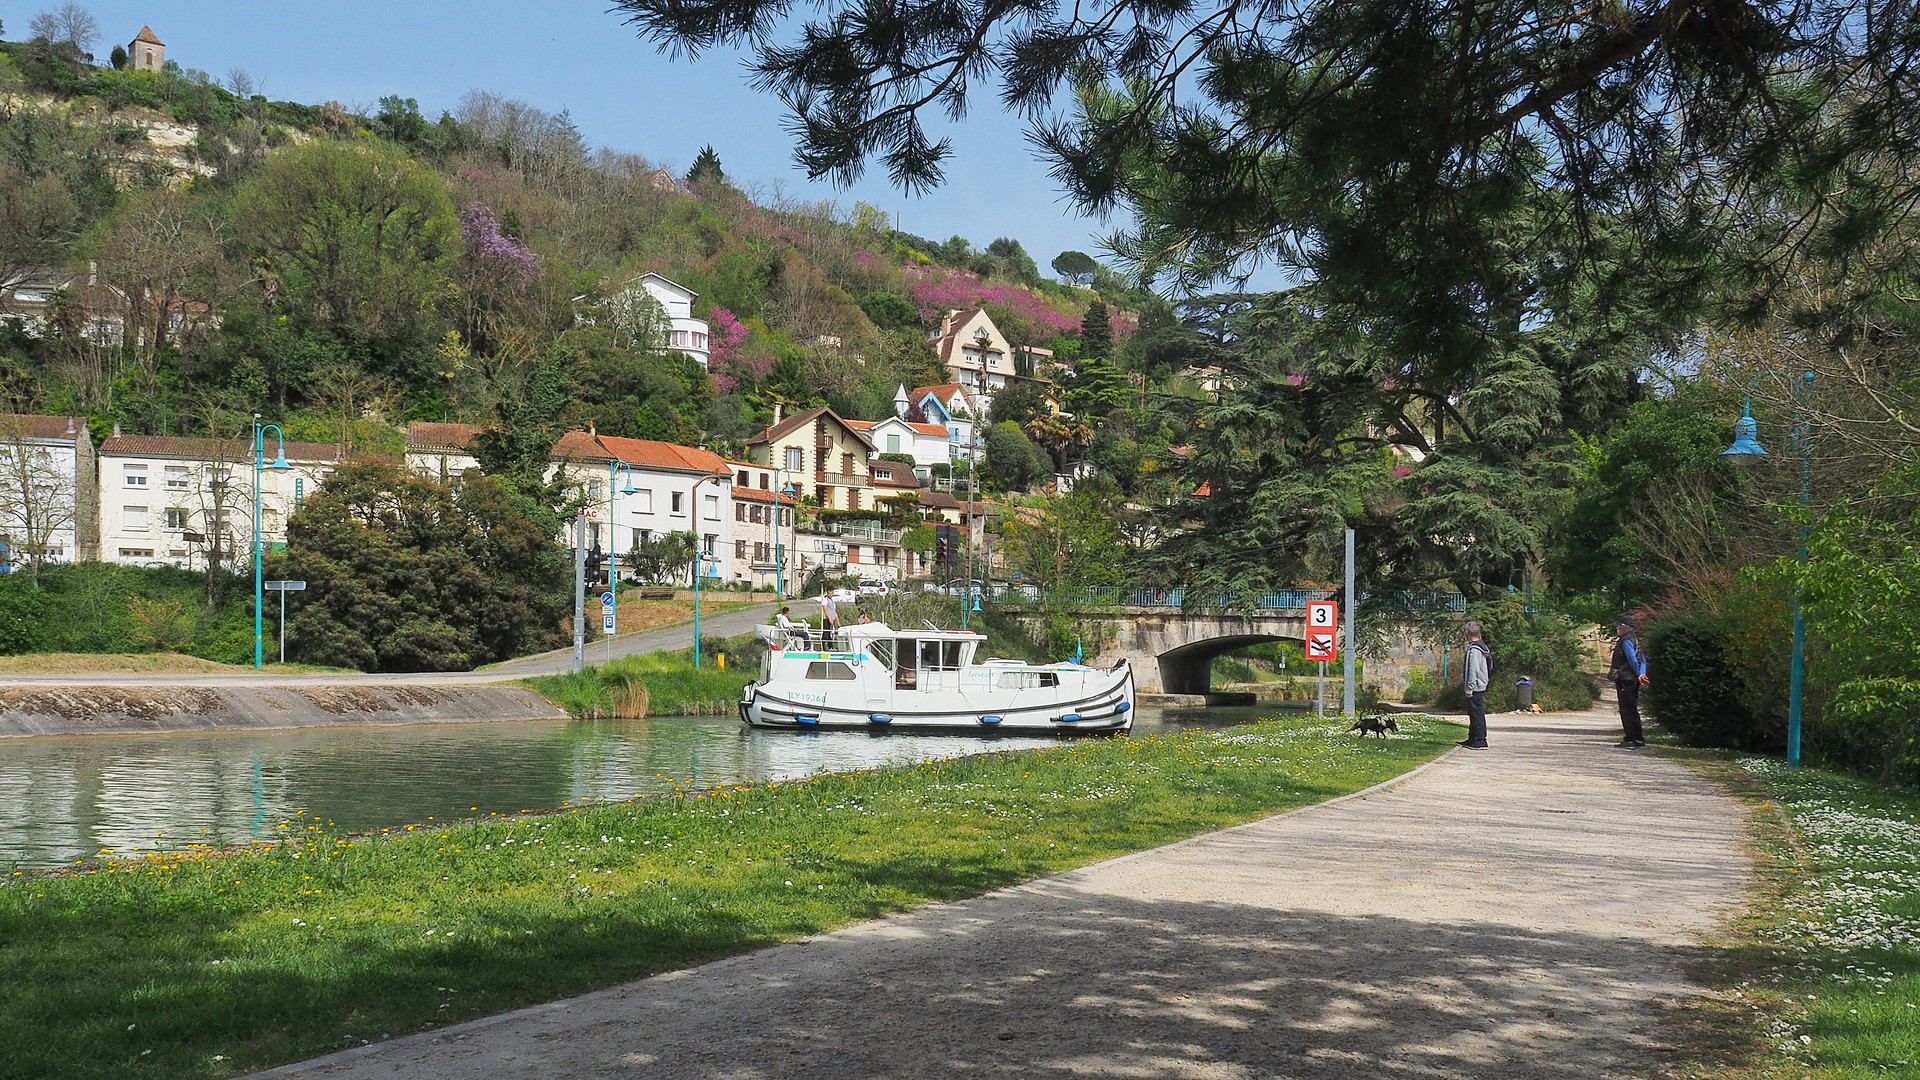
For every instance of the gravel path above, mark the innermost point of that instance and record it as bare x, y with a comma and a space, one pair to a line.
1520, 912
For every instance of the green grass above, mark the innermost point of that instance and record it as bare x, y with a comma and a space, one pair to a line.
1823, 981
210, 965
672, 685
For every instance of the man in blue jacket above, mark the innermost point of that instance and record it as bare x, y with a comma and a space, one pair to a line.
1629, 672
1477, 664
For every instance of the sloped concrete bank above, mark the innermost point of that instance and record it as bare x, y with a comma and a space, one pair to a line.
109, 710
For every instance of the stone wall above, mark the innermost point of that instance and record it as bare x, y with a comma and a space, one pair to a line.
104, 710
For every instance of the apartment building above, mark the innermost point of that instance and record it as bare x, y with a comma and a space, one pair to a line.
184, 502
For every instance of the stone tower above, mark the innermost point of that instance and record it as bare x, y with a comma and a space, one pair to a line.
146, 52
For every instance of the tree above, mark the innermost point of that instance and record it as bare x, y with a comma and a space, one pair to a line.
706, 171
890, 311
70, 24
664, 559
1070, 542
399, 119
118, 58
1013, 462
1020, 401
1075, 267
409, 574
1096, 332
360, 233
37, 215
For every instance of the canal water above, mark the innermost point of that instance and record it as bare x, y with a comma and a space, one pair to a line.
69, 798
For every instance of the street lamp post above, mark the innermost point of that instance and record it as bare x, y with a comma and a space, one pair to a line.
613, 536
1746, 443
259, 586
779, 553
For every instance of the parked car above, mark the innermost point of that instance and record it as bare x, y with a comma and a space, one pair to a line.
844, 595
874, 588
961, 587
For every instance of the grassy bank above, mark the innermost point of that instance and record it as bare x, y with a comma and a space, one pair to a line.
654, 684
1823, 979
210, 966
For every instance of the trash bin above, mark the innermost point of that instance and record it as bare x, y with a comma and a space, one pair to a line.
1523, 695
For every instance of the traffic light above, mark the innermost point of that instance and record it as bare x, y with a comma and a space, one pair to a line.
946, 546
595, 559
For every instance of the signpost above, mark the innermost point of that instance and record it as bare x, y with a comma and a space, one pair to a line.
283, 588
1323, 629
607, 619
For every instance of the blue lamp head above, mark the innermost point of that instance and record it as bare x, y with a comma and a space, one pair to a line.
280, 460
1746, 438
629, 489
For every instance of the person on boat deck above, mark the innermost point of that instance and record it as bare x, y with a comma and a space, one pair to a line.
784, 621
829, 613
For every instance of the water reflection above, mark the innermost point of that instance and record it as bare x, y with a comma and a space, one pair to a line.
63, 799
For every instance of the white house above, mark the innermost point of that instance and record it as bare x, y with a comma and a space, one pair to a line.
953, 407
975, 352
763, 524
49, 502
181, 502
927, 444
684, 332
639, 488
441, 451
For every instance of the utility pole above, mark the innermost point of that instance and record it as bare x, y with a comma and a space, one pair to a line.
1348, 700
580, 591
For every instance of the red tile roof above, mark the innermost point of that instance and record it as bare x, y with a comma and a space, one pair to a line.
646, 453
26, 426
426, 435
924, 429
757, 495
944, 392
236, 450
146, 35
902, 476
797, 420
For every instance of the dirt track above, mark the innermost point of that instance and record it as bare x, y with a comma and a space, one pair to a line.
1521, 912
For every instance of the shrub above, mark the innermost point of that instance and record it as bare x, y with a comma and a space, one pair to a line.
1543, 646
1697, 690
1421, 685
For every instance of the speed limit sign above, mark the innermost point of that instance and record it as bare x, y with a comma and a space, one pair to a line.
1323, 629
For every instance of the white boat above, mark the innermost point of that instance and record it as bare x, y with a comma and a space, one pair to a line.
872, 677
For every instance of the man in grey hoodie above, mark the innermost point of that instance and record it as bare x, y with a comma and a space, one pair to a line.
1477, 666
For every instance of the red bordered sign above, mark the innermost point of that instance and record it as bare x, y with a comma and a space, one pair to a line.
1323, 630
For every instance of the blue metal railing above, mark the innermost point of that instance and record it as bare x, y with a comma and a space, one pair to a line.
1294, 599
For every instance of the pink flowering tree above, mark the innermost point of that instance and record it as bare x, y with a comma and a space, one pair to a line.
494, 253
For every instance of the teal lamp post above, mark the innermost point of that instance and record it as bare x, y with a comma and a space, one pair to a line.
702, 559
1746, 443
259, 586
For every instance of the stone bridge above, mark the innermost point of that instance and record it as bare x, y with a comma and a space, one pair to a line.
1172, 646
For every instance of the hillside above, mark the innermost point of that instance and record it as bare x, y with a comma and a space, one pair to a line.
343, 274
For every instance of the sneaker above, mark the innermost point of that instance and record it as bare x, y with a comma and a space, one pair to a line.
1473, 745
1638, 744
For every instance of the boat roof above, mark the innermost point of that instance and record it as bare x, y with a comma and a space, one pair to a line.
880, 629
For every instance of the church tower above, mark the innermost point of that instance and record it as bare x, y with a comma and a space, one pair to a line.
146, 52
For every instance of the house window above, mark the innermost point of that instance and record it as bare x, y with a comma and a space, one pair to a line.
883, 474
883, 556
742, 479
136, 553
893, 444
699, 340
137, 476
853, 553
593, 490
760, 553
177, 477
134, 519
794, 459
846, 464
740, 550
176, 519
642, 501
739, 511
713, 507
679, 503
763, 482
680, 339
709, 542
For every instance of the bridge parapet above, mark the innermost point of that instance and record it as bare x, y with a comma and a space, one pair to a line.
1185, 599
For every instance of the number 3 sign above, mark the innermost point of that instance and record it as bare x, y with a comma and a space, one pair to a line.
1323, 622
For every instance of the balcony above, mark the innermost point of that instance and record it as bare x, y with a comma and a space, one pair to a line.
841, 479
861, 532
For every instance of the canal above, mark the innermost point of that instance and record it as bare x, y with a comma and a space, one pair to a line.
64, 799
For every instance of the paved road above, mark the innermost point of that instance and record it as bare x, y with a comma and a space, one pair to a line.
1520, 913
724, 622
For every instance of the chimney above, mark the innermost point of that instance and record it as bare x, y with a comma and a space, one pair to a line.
777, 410
70, 427
116, 429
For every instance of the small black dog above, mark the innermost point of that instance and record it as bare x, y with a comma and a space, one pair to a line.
1375, 725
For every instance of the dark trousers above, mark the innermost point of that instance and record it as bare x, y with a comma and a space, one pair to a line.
1477, 718
1630, 711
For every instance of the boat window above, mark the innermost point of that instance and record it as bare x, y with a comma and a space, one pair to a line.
881, 649
1027, 680
907, 673
930, 655
950, 655
832, 670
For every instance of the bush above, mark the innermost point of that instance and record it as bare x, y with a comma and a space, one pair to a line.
656, 684
105, 608
1421, 685
1696, 689
1542, 646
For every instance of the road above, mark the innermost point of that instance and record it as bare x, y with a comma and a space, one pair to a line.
727, 621
1528, 912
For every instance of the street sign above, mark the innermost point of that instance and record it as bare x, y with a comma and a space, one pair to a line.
606, 599
284, 586
606, 622
1323, 628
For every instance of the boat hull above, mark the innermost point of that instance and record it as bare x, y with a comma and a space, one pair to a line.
1105, 710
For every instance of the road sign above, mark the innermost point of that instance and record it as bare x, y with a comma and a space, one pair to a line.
606, 599
284, 586
606, 622
1323, 628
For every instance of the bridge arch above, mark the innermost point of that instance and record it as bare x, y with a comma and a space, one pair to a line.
1188, 669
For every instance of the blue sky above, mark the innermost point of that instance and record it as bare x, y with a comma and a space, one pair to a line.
621, 93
